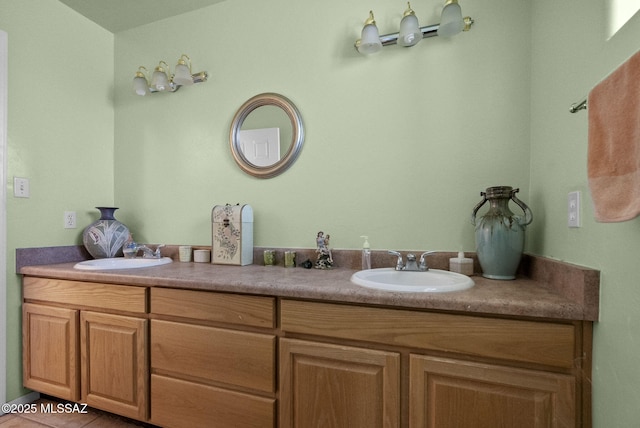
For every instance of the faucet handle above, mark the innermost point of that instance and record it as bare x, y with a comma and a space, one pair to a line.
130, 249
399, 263
157, 253
423, 262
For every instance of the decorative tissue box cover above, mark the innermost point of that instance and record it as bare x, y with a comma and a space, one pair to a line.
232, 235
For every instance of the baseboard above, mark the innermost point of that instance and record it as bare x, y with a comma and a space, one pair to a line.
25, 399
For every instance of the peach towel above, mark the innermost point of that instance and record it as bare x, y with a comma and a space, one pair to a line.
613, 158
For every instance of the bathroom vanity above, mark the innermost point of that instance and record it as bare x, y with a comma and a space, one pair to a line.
189, 344
87, 342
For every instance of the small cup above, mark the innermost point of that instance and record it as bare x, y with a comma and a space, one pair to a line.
269, 257
185, 253
201, 256
289, 259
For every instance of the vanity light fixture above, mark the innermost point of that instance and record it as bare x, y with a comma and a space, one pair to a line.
451, 23
159, 78
369, 42
410, 33
451, 20
163, 81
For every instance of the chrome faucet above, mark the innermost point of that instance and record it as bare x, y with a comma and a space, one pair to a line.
411, 265
147, 253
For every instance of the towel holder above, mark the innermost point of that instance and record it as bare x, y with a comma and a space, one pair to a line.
576, 107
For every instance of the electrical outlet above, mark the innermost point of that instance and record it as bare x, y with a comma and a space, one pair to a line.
573, 209
69, 219
20, 187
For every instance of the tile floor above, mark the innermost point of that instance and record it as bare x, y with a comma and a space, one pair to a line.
41, 418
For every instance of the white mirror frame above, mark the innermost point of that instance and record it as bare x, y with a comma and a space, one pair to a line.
297, 139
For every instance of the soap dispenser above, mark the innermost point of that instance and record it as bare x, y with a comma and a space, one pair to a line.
461, 264
366, 253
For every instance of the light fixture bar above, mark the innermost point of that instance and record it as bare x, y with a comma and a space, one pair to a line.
171, 88
200, 77
427, 31
197, 78
392, 39
163, 80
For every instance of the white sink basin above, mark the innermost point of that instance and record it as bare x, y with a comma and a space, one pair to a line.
432, 281
120, 263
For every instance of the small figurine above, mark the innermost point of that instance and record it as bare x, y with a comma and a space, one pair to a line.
324, 260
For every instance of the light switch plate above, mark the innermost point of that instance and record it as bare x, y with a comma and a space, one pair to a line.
573, 209
20, 187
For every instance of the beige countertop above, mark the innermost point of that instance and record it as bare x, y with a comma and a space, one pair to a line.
550, 290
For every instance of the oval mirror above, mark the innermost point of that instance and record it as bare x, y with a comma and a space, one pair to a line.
266, 135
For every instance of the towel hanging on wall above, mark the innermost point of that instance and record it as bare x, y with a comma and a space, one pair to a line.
613, 156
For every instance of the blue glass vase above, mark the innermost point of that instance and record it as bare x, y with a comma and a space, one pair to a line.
500, 233
105, 237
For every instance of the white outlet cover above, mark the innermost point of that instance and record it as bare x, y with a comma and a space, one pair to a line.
69, 220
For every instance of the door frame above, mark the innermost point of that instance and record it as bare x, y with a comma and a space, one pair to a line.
4, 69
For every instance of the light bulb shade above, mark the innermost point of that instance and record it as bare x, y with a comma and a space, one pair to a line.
160, 80
182, 75
451, 22
140, 85
410, 33
370, 40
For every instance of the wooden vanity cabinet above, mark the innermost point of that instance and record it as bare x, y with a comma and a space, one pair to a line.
87, 342
455, 370
186, 358
213, 359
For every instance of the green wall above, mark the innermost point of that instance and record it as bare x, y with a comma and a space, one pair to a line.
570, 55
60, 136
398, 145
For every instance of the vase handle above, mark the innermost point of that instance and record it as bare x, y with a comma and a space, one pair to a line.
477, 207
528, 215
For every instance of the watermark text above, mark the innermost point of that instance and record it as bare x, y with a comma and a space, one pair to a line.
47, 407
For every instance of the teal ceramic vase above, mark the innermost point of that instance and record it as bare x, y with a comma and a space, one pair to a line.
105, 237
500, 233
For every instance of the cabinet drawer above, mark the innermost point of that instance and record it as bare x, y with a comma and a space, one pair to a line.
179, 403
231, 357
252, 311
86, 294
545, 343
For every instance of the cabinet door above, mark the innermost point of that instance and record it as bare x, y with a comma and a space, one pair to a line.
114, 363
331, 386
50, 350
450, 393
